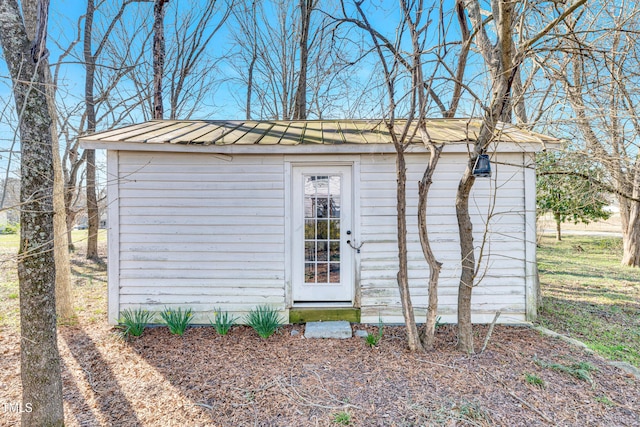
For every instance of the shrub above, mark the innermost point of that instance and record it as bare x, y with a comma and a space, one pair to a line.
133, 322
177, 320
264, 320
222, 321
372, 340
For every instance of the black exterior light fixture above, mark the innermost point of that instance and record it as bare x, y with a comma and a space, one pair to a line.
482, 168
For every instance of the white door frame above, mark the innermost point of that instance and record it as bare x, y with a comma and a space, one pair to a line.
302, 292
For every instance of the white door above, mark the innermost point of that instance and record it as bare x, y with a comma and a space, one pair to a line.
322, 260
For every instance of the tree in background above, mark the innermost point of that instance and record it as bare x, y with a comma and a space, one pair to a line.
158, 57
300, 104
39, 357
567, 187
117, 60
108, 61
192, 61
190, 64
595, 69
292, 59
93, 217
91, 57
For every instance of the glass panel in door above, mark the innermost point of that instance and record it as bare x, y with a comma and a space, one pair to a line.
322, 202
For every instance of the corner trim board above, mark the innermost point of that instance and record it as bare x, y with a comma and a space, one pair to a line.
531, 268
113, 237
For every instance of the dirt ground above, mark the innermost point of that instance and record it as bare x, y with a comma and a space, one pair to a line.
204, 379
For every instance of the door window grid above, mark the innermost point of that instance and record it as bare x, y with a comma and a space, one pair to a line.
322, 228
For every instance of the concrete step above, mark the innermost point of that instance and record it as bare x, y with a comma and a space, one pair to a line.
340, 329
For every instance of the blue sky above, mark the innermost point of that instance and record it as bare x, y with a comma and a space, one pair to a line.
63, 29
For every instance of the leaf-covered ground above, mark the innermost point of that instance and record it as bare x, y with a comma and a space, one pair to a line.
204, 379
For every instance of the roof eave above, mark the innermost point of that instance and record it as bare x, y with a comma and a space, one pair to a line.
450, 147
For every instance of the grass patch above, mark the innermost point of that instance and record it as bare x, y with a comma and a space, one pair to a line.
605, 400
449, 412
579, 370
88, 279
464, 413
9, 297
342, 418
588, 295
534, 380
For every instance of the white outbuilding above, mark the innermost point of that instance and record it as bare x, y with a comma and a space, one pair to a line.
301, 216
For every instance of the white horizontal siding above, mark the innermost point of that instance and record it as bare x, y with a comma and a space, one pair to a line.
502, 283
201, 232
196, 230
208, 233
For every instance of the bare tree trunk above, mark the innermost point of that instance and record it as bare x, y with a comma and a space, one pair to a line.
631, 231
158, 57
40, 361
64, 295
417, 108
92, 203
462, 60
300, 106
556, 217
70, 221
519, 107
90, 57
70, 188
93, 215
631, 237
413, 337
252, 63
434, 265
468, 260
539, 301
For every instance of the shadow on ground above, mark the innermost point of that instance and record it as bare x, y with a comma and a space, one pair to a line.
110, 401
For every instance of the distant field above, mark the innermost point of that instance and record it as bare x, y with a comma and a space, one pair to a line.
612, 225
588, 295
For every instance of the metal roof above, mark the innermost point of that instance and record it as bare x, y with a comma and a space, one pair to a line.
312, 132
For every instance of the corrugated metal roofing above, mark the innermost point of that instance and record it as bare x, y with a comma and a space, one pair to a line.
280, 132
